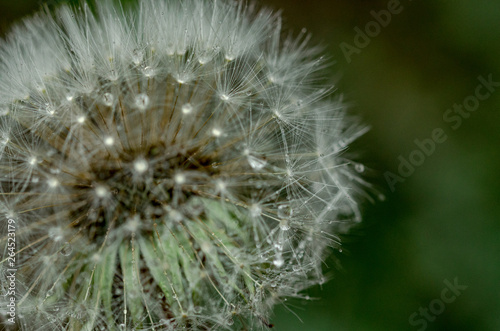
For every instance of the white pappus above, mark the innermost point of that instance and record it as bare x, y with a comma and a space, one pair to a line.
170, 165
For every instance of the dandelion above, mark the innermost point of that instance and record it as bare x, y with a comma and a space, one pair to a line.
172, 165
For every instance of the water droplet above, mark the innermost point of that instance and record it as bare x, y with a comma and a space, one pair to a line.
53, 183
49, 293
359, 167
101, 191
216, 132
137, 56
56, 234
278, 261
108, 99
148, 71
230, 321
141, 101
141, 166
109, 141
255, 210
49, 109
66, 249
197, 309
256, 163
284, 225
187, 108
285, 211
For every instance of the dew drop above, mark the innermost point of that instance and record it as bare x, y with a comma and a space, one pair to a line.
53, 183
66, 249
216, 132
230, 321
141, 166
278, 261
137, 56
255, 210
141, 101
187, 108
285, 211
359, 167
49, 109
109, 141
56, 234
108, 99
101, 192
33, 160
256, 163
148, 71
284, 225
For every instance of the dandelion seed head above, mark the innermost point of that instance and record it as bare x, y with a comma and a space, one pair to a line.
173, 164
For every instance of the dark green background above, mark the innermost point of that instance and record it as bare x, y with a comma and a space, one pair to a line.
443, 221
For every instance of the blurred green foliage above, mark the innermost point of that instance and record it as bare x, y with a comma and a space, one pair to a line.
443, 221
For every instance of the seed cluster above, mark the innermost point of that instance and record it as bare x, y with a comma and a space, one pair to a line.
172, 166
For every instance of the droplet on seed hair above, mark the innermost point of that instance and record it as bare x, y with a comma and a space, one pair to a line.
148, 71
285, 211
278, 261
141, 101
256, 163
187, 108
66, 249
108, 99
359, 167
